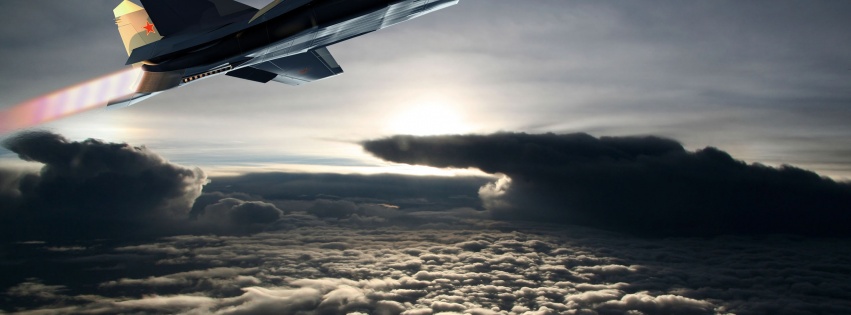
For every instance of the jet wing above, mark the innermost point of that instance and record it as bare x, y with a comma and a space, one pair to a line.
298, 69
277, 8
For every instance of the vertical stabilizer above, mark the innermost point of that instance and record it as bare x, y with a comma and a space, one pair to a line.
175, 16
135, 26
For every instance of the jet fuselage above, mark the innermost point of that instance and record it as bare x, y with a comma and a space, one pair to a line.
290, 33
285, 41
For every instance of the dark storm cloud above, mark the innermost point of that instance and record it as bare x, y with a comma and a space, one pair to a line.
644, 185
210, 198
10, 194
92, 188
238, 215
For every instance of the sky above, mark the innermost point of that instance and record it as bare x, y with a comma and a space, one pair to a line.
766, 81
495, 157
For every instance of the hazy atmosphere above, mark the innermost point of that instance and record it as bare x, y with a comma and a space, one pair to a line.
493, 157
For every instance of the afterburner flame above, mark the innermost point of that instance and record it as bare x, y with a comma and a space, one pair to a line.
72, 100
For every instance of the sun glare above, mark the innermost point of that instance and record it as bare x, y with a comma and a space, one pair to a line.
428, 118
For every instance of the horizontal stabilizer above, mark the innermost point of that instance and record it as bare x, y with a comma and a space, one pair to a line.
130, 100
148, 84
253, 74
173, 16
276, 8
299, 69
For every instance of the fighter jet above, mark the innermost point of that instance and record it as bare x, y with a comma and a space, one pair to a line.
180, 42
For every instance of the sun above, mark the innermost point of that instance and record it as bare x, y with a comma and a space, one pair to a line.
428, 118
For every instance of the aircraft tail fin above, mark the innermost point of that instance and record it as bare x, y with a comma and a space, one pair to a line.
174, 16
135, 26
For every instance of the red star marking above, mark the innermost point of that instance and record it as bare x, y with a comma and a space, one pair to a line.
149, 28
304, 71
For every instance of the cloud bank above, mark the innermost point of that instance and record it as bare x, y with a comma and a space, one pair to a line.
643, 185
93, 189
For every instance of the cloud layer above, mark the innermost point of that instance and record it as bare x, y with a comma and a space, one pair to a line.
346, 244
531, 270
644, 185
